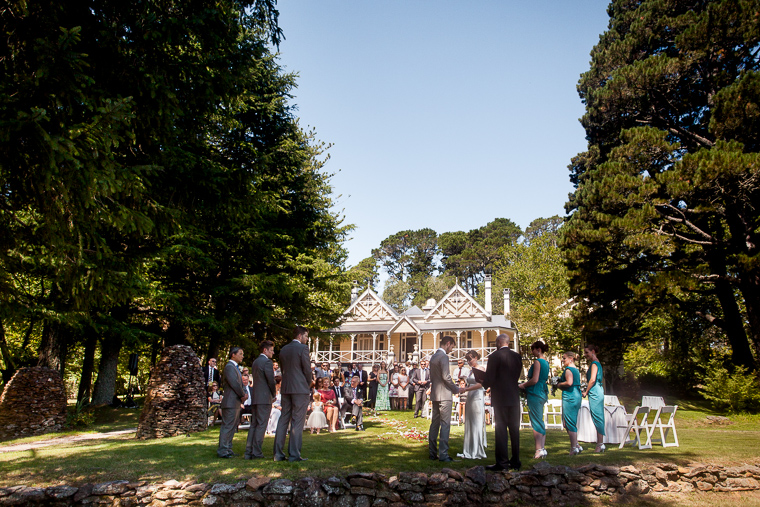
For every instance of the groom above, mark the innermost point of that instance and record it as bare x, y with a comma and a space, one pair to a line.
441, 395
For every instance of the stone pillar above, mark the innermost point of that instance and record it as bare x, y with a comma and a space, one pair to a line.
33, 403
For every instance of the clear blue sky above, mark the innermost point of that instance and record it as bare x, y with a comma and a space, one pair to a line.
442, 114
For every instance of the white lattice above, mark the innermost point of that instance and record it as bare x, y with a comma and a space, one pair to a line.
370, 307
457, 303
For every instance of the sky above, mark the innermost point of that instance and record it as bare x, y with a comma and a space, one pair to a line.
441, 114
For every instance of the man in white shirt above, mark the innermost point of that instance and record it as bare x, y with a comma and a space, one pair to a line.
461, 371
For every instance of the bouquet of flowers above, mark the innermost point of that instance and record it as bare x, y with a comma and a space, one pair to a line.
553, 381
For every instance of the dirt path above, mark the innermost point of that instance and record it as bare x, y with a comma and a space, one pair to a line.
64, 440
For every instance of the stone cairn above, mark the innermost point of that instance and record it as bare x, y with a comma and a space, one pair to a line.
175, 402
33, 403
543, 485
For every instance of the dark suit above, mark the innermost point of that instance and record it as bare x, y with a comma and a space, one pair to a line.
264, 391
295, 388
233, 394
363, 380
348, 397
213, 376
502, 374
412, 391
420, 390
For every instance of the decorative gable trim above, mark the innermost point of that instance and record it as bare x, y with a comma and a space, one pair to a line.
369, 307
457, 304
401, 321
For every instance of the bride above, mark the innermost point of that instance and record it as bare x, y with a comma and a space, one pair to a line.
475, 422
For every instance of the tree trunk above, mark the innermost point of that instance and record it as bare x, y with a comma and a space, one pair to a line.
733, 326
50, 346
105, 385
88, 366
10, 367
751, 292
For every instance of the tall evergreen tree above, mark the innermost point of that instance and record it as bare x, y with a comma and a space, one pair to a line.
665, 203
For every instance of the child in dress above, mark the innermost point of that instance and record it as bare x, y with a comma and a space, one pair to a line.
317, 419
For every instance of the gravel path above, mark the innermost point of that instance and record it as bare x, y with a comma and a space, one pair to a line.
64, 440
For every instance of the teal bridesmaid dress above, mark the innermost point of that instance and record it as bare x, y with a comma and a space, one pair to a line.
537, 395
596, 398
571, 400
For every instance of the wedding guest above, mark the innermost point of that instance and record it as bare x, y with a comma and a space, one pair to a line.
274, 415
403, 389
571, 400
317, 419
353, 398
595, 392
461, 371
210, 373
393, 390
411, 373
462, 398
277, 371
214, 400
420, 381
373, 385
537, 396
330, 402
475, 444
382, 402
337, 388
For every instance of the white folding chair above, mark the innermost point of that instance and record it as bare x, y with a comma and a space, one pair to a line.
637, 422
524, 416
455, 413
611, 400
670, 411
553, 414
653, 402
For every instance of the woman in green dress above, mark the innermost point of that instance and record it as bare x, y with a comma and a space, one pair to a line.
595, 393
571, 400
538, 395
382, 403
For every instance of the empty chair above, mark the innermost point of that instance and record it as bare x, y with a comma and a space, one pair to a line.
637, 422
553, 414
669, 412
653, 402
524, 417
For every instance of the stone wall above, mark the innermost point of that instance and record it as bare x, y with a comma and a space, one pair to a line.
33, 403
543, 485
175, 401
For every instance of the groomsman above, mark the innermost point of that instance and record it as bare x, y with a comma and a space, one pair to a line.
294, 392
412, 390
233, 397
264, 391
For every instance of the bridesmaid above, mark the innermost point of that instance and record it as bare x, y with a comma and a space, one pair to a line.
538, 395
595, 393
571, 400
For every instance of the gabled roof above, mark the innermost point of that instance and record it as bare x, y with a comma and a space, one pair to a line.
456, 304
403, 322
415, 310
369, 306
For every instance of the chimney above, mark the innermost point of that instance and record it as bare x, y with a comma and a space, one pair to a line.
506, 303
354, 292
487, 305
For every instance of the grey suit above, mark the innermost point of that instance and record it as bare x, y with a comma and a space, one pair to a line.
296, 380
233, 394
264, 390
356, 410
441, 390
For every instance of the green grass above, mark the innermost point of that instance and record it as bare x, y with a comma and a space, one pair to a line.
381, 448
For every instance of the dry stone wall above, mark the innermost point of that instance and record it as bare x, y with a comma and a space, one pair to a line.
175, 401
543, 485
32, 403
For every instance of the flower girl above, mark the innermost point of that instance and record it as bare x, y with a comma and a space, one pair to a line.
317, 419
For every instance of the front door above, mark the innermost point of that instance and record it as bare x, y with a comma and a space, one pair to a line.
408, 346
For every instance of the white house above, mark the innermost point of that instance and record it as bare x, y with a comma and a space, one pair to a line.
372, 331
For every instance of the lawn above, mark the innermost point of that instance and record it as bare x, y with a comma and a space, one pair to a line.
382, 448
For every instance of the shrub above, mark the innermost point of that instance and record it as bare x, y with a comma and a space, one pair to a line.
80, 417
736, 391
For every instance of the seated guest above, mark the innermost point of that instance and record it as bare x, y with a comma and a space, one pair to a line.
274, 415
214, 401
353, 397
330, 402
277, 372
337, 388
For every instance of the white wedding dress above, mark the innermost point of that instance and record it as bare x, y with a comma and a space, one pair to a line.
474, 423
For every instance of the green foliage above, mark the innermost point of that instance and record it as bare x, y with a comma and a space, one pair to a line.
663, 213
79, 416
735, 391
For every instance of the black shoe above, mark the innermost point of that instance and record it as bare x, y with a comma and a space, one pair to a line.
515, 468
495, 468
226, 456
433, 458
253, 457
361, 428
298, 459
448, 459
280, 459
